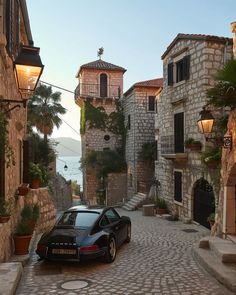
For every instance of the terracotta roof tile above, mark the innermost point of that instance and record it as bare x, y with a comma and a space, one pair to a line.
147, 83
199, 37
101, 65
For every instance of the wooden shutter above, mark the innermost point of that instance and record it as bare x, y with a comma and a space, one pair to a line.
170, 74
178, 186
179, 132
151, 103
25, 161
12, 26
186, 67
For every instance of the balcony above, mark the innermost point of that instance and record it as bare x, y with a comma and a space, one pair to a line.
170, 151
97, 91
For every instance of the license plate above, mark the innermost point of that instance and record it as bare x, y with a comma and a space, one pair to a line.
64, 251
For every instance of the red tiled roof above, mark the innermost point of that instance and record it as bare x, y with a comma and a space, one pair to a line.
101, 65
199, 37
147, 83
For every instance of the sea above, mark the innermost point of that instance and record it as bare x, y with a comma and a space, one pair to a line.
73, 171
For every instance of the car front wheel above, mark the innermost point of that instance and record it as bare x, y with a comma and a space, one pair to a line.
111, 251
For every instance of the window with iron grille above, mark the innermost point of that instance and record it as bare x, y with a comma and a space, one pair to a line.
178, 186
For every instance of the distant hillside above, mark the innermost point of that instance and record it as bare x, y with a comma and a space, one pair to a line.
67, 147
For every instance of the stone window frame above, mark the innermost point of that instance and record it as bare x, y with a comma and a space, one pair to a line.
173, 62
177, 202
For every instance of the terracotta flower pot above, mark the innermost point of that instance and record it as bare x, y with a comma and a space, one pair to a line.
35, 183
23, 190
212, 164
22, 244
161, 211
4, 219
194, 146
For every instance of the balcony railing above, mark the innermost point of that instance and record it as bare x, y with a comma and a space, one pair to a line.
167, 144
97, 90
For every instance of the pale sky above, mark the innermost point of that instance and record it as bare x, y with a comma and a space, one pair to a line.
134, 34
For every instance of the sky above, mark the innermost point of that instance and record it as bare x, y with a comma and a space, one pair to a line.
133, 33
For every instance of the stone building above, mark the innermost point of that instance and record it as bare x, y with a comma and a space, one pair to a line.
139, 111
15, 41
189, 64
100, 85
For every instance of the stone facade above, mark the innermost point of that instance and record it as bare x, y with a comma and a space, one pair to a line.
90, 89
43, 199
140, 129
62, 193
207, 55
11, 177
116, 188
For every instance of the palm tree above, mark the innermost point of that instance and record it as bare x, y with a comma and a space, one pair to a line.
224, 92
44, 109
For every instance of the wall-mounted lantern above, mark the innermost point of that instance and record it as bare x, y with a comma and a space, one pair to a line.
205, 126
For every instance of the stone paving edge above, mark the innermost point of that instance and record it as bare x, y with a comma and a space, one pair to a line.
223, 273
10, 275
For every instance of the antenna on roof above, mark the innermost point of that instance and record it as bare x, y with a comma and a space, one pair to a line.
100, 52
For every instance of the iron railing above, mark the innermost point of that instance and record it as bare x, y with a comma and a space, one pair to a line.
95, 90
167, 144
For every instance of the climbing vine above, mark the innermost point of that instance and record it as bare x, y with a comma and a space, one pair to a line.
5, 148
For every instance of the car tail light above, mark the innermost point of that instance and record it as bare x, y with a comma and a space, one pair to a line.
91, 248
41, 248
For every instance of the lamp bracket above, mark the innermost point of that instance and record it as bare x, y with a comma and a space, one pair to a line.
225, 141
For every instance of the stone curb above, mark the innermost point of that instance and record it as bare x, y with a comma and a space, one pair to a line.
10, 274
223, 273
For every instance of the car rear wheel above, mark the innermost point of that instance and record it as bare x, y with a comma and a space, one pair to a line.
111, 251
128, 237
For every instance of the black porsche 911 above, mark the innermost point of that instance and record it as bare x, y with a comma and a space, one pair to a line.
84, 232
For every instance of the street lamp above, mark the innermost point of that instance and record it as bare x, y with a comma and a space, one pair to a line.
28, 68
205, 126
65, 167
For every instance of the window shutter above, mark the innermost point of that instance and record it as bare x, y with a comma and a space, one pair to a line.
129, 122
186, 67
179, 132
151, 103
25, 161
178, 186
170, 74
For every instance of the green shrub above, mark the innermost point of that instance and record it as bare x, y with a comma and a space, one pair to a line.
35, 171
161, 204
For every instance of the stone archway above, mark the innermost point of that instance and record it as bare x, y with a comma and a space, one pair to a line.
203, 201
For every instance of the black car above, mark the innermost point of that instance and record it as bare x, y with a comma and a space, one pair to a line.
85, 232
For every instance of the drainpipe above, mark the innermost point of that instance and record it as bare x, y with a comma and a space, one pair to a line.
233, 29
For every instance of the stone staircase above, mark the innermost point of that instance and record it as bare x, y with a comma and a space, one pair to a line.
218, 256
134, 202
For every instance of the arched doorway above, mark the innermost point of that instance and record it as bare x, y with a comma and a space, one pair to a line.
204, 202
103, 85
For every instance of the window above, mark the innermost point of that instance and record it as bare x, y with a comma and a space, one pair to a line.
130, 179
179, 132
178, 186
12, 26
178, 71
81, 219
103, 85
104, 221
151, 103
112, 216
106, 137
129, 122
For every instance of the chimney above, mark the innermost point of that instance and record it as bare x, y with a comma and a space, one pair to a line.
233, 29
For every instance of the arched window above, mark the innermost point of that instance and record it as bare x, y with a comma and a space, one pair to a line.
103, 85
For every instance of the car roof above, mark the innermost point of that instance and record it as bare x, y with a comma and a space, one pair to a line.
87, 208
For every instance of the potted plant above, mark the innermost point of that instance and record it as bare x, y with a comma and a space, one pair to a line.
211, 219
6, 207
35, 175
211, 157
23, 189
30, 214
192, 144
22, 237
161, 206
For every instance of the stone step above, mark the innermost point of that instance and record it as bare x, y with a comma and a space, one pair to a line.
224, 249
133, 203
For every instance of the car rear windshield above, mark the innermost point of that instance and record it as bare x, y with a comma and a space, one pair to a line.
81, 219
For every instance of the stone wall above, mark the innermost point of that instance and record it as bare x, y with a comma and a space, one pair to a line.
47, 219
189, 96
62, 194
141, 131
116, 188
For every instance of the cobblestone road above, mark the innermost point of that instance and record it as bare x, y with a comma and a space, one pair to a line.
158, 260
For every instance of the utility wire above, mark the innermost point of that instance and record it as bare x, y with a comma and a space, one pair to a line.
69, 149
57, 87
70, 126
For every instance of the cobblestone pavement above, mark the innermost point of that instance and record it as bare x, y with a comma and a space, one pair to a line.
158, 260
